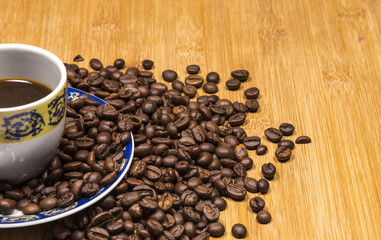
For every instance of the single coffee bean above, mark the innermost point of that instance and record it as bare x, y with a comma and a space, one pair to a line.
236, 191
178, 85
211, 213
257, 204
220, 203
190, 229
98, 233
169, 75
251, 93
286, 143
193, 69
251, 143
283, 154
261, 150
96, 64
233, 84
48, 203
250, 184
263, 217
303, 139
194, 80
268, 171
273, 135
237, 119
7, 206
31, 209
119, 63
241, 75
78, 58
287, 129
190, 91
216, 229
247, 162
213, 77
147, 64
154, 227
210, 87
60, 231
263, 186
252, 105
239, 231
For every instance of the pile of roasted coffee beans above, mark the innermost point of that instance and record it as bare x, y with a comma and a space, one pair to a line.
189, 154
88, 159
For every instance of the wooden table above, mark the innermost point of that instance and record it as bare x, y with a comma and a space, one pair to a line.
317, 64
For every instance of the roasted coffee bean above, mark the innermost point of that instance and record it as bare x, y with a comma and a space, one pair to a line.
119, 63
98, 233
7, 206
252, 105
213, 77
251, 93
66, 200
261, 150
236, 191
190, 229
216, 229
178, 85
96, 64
273, 135
169, 75
250, 184
263, 186
165, 201
190, 91
303, 139
263, 217
237, 119
193, 69
78, 58
268, 171
147, 64
252, 143
60, 232
48, 203
233, 84
220, 203
287, 129
194, 80
239, 231
154, 227
257, 204
241, 75
31, 209
283, 154
286, 143
210, 87
211, 213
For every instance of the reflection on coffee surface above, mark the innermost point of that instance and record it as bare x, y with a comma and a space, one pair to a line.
20, 91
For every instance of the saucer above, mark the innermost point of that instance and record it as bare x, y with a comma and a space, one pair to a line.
18, 219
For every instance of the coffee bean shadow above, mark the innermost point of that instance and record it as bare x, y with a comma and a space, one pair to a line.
276, 177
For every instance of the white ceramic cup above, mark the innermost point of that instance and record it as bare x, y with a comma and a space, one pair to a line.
30, 134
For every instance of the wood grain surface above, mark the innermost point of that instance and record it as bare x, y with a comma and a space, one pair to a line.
316, 63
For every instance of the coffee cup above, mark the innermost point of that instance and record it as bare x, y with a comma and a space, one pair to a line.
30, 133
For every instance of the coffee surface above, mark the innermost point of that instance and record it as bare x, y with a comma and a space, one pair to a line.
16, 92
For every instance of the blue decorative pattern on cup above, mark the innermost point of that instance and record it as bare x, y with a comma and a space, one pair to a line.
23, 124
56, 109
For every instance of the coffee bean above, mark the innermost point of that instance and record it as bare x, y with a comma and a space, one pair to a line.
190, 91
48, 203
252, 105
257, 204
250, 184
210, 87
147, 64
233, 84
7, 206
303, 139
178, 85
154, 227
263, 186
239, 231
119, 63
220, 203
237, 119
273, 134
96, 64
252, 93
252, 143
213, 77
261, 150
263, 217
98, 233
247, 162
287, 129
194, 80
78, 58
236, 191
193, 69
241, 75
268, 171
283, 154
216, 229
60, 232
31, 209
286, 143
169, 75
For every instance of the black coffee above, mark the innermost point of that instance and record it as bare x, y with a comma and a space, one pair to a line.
17, 91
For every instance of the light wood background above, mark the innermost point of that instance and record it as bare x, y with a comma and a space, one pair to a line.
316, 63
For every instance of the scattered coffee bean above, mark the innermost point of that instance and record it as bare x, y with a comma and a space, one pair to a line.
210, 87
287, 129
273, 134
193, 69
31, 209
286, 143
263, 186
252, 143
257, 204
261, 150
268, 171
263, 217
7, 206
169, 75
303, 139
283, 154
233, 84
241, 75
252, 93
147, 64
119, 63
78, 58
252, 105
194, 80
213, 77
216, 229
96, 64
239, 231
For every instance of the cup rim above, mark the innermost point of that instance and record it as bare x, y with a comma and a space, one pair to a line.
46, 54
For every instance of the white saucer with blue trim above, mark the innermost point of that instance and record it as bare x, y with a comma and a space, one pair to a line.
18, 219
